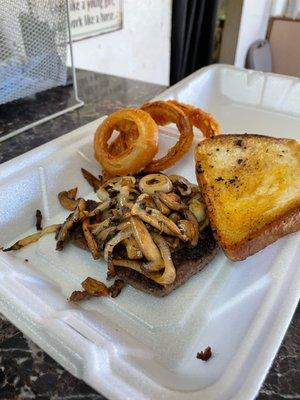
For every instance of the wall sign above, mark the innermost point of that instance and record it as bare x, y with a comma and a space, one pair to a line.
93, 17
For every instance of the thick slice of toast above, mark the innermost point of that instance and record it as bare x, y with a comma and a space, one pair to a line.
251, 186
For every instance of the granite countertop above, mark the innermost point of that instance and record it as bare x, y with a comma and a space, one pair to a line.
26, 372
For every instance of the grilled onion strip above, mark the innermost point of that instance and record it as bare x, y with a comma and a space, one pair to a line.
144, 215
146, 244
33, 238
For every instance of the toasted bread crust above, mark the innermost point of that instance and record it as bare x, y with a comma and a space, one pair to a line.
245, 136
287, 222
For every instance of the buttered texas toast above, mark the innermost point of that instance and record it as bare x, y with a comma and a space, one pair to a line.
251, 185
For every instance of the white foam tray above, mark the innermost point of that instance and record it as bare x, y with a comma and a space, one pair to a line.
137, 346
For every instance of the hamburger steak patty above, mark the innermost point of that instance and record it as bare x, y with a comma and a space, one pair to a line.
187, 261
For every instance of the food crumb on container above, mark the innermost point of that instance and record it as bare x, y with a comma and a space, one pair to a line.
39, 218
204, 355
78, 295
116, 288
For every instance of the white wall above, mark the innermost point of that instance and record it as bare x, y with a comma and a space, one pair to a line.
254, 22
253, 26
141, 50
293, 9
279, 7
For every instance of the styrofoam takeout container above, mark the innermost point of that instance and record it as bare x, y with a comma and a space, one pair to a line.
137, 346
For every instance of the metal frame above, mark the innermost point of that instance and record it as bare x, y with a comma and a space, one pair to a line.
79, 103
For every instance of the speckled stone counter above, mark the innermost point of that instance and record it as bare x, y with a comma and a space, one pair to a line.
26, 372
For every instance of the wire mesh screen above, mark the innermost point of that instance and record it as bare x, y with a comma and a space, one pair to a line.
33, 47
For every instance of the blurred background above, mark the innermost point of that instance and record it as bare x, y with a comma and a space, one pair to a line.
164, 41
158, 42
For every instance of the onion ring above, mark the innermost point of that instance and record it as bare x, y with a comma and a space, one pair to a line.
164, 112
134, 159
126, 138
199, 118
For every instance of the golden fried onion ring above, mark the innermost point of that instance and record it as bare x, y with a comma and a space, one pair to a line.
126, 138
197, 117
200, 119
131, 160
164, 112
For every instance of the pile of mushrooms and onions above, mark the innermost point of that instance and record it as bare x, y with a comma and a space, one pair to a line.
143, 220
137, 222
